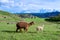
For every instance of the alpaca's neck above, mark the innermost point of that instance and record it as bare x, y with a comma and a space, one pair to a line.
30, 24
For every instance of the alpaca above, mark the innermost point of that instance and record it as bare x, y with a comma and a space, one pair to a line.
23, 25
40, 28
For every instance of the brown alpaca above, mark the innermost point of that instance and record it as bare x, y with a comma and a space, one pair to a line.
23, 25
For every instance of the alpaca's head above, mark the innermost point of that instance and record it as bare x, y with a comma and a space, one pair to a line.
31, 23
42, 25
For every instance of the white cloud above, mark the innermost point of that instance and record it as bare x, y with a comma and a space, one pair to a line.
4, 1
31, 5
6, 7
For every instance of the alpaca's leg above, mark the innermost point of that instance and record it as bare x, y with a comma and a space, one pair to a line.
26, 29
17, 29
20, 29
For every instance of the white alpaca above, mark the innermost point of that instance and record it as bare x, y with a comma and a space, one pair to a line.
40, 28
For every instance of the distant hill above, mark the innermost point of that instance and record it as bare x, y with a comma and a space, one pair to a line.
46, 15
6, 16
42, 15
4, 12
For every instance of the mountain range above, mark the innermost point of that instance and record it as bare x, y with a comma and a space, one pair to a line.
38, 11
44, 14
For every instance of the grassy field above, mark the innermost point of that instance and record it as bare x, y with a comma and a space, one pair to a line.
7, 31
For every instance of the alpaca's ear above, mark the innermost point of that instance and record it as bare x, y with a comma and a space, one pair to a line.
32, 21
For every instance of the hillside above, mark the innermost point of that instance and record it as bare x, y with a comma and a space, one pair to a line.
8, 17
4, 12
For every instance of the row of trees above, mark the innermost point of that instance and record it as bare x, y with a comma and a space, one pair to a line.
57, 18
54, 18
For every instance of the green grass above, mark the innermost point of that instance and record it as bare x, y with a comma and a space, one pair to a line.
51, 30
7, 31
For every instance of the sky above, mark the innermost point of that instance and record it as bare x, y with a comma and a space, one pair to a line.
28, 6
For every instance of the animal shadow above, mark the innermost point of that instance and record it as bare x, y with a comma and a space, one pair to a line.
8, 31
31, 32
